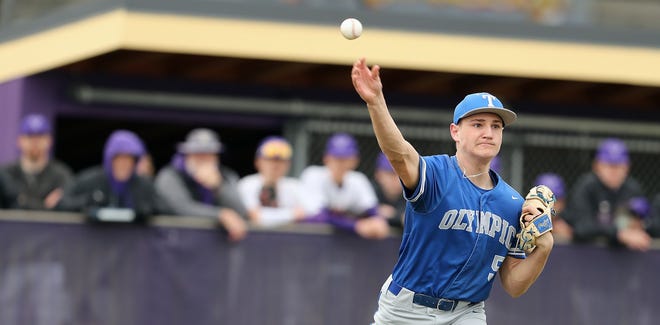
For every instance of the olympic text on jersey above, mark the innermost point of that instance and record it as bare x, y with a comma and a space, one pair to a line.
480, 222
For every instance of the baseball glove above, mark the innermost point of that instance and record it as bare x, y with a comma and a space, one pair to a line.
543, 200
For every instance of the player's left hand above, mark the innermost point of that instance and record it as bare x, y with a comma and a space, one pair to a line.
543, 242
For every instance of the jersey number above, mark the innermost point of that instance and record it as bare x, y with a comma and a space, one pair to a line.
497, 262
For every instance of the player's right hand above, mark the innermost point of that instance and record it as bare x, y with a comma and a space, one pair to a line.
367, 82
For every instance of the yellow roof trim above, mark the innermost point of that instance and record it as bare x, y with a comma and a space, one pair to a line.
324, 44
61, 45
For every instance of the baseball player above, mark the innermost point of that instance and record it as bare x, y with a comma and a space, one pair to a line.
461, 217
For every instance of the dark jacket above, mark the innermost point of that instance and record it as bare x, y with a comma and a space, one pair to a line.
6, 196
399, 205
91, 190
30, 191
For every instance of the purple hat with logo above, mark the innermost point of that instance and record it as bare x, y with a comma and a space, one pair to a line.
382, 163
612, 151
35, 124
554, 182
342, 145
482, 103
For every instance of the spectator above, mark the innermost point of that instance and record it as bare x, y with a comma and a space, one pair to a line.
599, 204
197, 185
389, 192
272, 198
562, 231
36, 179
342, 196
113, 191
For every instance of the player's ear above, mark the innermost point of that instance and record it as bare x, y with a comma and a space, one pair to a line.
453, 130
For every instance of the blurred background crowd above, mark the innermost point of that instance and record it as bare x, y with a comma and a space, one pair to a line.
604, 204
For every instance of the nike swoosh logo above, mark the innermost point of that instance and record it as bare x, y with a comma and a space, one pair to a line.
513, 197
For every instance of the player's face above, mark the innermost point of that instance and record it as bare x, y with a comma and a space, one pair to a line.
123, 167
479, 135
272, 169
612, 175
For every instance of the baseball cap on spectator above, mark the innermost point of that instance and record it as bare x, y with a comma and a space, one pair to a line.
200, 140
382, 163
342, 145
35, 124
554, 182
612, 151
482, 103
275, 147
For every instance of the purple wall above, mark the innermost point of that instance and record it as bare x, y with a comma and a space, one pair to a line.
11, 106
124, 274
18, 98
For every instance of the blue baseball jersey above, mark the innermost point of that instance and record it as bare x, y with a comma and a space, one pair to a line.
456, 235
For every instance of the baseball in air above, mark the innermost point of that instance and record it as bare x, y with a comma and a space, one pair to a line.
351, 28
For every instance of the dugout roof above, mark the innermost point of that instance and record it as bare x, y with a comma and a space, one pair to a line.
268, 42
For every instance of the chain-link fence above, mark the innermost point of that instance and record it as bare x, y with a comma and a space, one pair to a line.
525, 153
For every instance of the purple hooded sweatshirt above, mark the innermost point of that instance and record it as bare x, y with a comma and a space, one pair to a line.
121, 142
